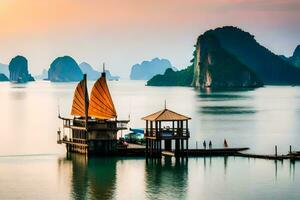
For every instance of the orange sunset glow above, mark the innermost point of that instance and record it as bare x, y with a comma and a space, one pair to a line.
125, 32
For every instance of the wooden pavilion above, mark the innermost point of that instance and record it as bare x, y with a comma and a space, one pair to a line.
166, 126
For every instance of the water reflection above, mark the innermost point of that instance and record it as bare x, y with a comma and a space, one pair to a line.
167, 179
17, 95
292, 170
92, 178
219, 103
227, 110
220, 97
125, 178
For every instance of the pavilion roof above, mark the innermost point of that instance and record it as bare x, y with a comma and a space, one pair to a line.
166, 115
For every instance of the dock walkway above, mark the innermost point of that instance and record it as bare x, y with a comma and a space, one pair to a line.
269, 157
139, 150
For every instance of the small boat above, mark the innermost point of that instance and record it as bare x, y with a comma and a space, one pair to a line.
94, 127
136, 136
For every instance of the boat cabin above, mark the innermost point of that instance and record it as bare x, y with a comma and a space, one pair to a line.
94, 127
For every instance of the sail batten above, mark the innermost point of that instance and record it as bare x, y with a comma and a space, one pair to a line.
104, 97
101, 105
99, 108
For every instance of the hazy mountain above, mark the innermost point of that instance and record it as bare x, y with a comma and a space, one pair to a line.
147, 69
64, 69
18, 70
42, 76
88, 69
93, 74
4, 69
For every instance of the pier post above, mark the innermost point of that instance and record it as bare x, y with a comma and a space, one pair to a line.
290, 149
182, 147
187, 147
275, 150
147, 147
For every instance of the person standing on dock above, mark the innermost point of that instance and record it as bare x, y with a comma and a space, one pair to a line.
210, 144
225, 143
204, 144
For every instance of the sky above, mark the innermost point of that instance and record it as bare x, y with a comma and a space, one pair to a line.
125, 32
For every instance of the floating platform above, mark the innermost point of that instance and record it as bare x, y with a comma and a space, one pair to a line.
139, 150
262, 156
270, 157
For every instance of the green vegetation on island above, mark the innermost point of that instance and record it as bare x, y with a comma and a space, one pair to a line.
173, 78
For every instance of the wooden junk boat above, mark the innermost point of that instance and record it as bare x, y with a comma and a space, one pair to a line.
94, 128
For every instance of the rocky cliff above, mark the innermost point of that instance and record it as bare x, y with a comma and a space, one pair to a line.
64, 69
214, 67
295, 58
3, 77
269, 68
148, 69
18, 70
231, 57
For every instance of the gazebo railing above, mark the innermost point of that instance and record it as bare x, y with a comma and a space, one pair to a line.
167, 133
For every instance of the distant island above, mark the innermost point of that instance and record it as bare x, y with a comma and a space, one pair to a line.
64, 69
42, 76
147, 69
229, 57
93, 74
4, 69
18, 70
3, 77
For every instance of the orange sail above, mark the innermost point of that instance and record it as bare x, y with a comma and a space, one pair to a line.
80, 100
101, 104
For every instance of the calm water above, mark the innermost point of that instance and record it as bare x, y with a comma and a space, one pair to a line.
33, 166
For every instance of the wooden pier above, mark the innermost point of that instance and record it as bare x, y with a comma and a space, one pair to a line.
292, 155
135, 150
140, 150
263, 156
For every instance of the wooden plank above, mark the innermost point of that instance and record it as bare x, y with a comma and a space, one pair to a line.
74, 143
75, 127
262, 156
168, 153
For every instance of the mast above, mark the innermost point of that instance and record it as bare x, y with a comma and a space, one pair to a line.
103, 73
101, 104
86, 101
